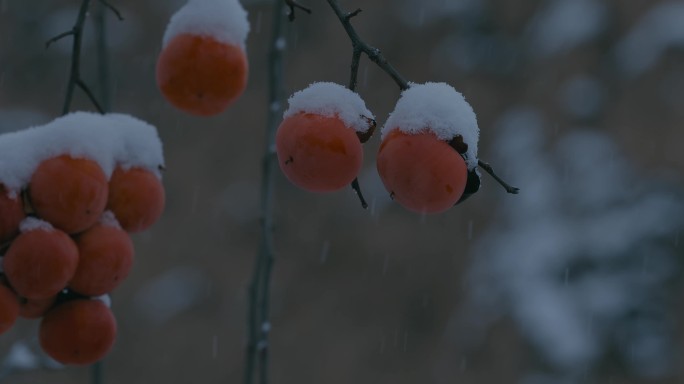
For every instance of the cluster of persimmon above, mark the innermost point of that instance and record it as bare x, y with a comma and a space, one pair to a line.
202, 68
428, 149
66, 210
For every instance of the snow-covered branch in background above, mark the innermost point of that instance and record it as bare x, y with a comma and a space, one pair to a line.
582, 261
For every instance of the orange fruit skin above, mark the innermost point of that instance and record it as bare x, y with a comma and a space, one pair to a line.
318, 153
136, 197
9, 308
35, 309
40, 263
79, 331
70, 193
105, 259
424, 174
11, 214
200, 75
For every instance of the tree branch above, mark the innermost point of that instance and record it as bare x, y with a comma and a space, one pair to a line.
113, 9
258, 313
358, 44
293, 4
488, 168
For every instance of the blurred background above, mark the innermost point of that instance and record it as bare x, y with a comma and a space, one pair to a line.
576, 280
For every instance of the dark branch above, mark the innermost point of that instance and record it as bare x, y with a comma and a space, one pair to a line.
59, 37
359, 45
349, 15
488, 168
113, 9
292, 4
91, 96
258, 313
75, 72
357, 188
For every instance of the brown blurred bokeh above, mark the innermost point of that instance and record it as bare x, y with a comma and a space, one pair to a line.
358, 296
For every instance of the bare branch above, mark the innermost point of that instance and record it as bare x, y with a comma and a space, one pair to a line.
258, 313
59, 37
91, 96
357, 188
358, 44
75, 72
488, 168
293, 4
113, 9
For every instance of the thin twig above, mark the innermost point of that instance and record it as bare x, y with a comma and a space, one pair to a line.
357, 188
358, 44
84, 87
113, 9
75, 73
293, 4
488, 168
59, 37
258, 314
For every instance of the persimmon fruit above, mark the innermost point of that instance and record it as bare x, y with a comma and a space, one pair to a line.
105, 259
136, 197
318, 153
200, 74
9, 308
40, 262
68, 192
11, 214
79, 331
35, 308
422, 173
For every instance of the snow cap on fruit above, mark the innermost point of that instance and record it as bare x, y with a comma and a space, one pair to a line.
331, 99
440, 109
223, 20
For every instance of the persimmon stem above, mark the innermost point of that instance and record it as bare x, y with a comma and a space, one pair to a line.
357, 188
488, 168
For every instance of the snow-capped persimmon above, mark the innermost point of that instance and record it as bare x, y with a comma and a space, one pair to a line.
68, 192
105, 259
79, 331
35, 308
422, 173
318, 153
9, 308
200, 74
40, 262
136, 197
11, 214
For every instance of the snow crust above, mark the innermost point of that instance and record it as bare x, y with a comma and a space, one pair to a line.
32, 224
109, 140
331, 99
105, 299
109, 220
224, 20
436, 108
